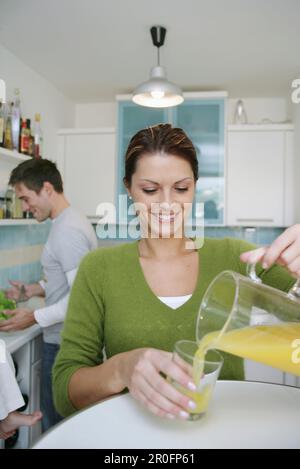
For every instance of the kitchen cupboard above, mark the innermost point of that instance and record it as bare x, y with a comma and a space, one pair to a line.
35, 385
86, 160
260, 175
202, 117
204, 121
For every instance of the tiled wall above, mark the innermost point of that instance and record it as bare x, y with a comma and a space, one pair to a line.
21, 247
20, 252
260, 236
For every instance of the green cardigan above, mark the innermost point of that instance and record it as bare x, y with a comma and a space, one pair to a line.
112, 307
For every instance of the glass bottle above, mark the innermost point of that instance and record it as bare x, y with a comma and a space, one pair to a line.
38, 137
2, 124
2, 208
8, 143
9, 199
240, 116
17, 211
16, 116
24, 138
31, 144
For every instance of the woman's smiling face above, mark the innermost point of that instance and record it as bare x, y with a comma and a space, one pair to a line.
163, 189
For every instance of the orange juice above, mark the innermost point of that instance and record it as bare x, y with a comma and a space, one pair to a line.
274, 345
201, 398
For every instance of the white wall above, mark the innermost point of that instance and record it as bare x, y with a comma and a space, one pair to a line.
257, 109
37, 95
96, 115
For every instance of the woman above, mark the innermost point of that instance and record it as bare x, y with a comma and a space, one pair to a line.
136, 300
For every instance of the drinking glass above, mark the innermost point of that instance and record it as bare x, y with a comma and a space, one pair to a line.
204, 373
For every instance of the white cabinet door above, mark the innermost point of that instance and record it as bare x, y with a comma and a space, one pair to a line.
35, 399
22, 358
87, 163
256, 178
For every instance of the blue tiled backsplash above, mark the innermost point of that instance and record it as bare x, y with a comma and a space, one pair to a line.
29, 239
20, 248
260, 236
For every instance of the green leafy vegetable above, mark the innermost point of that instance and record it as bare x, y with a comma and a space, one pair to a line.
5, 303
3, 316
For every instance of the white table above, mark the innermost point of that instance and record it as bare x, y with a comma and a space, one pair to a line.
241, 415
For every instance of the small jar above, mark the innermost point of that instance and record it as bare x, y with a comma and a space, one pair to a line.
2, 208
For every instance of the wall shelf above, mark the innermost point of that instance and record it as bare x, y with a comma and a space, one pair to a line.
18, 222
12, 156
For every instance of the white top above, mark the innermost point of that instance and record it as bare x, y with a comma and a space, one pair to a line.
241, 415
174, 302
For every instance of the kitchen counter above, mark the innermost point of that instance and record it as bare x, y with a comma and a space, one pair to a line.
15, 340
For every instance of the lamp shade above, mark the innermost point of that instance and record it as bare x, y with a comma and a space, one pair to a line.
158, 91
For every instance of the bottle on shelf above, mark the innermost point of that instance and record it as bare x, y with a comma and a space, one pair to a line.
31, 144
38, 137
30, 140
16, 116
15, 131
240, 116
2, 208
2, 124
9, 198
8, 142
13, 205
24, 137
17, 207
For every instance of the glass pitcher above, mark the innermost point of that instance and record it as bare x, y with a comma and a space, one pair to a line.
241, 316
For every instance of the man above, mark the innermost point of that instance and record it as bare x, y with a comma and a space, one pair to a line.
39, 186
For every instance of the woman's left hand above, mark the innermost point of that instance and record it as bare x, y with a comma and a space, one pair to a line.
285, 251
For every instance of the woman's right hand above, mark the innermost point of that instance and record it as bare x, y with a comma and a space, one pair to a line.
140, 371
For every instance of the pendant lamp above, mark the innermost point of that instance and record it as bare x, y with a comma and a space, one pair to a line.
157, 91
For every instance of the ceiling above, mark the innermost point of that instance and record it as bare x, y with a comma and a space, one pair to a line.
94, 49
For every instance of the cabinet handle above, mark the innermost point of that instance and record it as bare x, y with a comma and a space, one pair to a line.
269, 220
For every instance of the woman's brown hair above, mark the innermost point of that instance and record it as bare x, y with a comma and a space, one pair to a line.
161, 138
